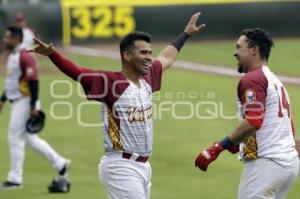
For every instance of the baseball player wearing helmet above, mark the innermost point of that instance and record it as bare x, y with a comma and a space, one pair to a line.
21, 89
124, 170
265, 134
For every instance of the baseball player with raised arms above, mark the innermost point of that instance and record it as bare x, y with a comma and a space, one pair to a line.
21, 89
124, 170
266, 133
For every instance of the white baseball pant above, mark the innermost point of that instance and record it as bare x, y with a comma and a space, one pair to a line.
265, 179
125, 178
18, 137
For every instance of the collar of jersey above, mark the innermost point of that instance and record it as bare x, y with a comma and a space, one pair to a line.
16, 49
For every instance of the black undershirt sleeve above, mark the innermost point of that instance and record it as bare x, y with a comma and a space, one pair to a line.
34, 91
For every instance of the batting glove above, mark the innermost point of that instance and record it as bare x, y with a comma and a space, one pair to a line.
208, 155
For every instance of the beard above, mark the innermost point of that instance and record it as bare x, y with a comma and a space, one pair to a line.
140, 70
241, 68
8, 47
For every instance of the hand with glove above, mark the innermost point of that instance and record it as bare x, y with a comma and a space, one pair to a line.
36, 122
210, 154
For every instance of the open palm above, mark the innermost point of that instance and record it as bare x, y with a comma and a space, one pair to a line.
41, 47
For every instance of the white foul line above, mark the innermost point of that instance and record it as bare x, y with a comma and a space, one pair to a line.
220, 70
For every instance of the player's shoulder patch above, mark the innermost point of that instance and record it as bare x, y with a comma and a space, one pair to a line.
250, 95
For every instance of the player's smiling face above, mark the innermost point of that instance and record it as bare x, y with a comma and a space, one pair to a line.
243, 54
141, 57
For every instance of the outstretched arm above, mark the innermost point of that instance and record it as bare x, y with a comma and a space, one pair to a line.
66, 66
168, 55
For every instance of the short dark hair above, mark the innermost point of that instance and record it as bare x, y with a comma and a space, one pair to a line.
16, 32
128, 41
261, 38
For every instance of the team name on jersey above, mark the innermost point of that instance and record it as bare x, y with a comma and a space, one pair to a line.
137, 115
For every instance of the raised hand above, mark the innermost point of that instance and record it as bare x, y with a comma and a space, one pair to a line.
41, 48
192, 28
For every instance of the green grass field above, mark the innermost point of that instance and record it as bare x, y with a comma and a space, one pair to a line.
176, 142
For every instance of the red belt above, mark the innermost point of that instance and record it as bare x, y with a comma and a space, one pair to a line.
138, 159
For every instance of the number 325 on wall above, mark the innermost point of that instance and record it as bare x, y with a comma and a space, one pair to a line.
101, 22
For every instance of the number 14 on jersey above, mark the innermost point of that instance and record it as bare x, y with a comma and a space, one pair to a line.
283, 102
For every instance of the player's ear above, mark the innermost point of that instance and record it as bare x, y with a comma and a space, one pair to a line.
255, 50
127, 56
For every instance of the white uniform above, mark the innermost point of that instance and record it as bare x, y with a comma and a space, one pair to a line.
124, 170
21, 67
134, 135
128, 127
271, 161
28, 36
